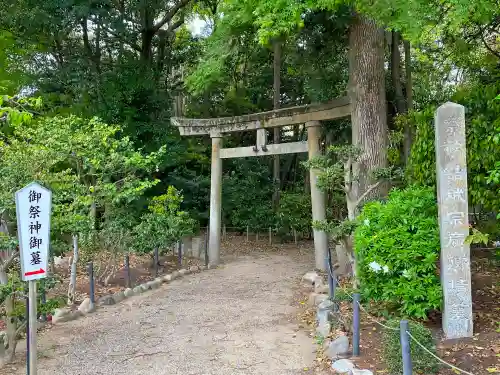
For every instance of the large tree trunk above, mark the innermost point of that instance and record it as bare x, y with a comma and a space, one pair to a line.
396, 74
409, 83
368, 103
276, 105
408, 136
369, 116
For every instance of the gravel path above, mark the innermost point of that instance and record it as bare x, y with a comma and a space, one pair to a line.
238, 319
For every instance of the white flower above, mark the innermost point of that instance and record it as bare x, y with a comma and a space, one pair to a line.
406, 274
386, 269
375, 266
367, 222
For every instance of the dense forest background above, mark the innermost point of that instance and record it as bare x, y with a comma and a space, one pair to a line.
137, 63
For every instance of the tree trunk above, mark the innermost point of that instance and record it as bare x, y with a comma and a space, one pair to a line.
368, 103
276, 105
369, 114
72, 282
409, 83
8, 350
408, 136
396, 74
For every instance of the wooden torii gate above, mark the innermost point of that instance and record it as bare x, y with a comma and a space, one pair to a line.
310, 115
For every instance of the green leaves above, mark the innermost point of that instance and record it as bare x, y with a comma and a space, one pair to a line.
164, 224
422, 361
397, 247
482, 136
86, 163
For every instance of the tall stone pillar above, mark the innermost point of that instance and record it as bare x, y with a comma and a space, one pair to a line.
317, 196
215, 200
451, 169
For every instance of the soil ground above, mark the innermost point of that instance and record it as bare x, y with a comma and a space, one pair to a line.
238, 319
478, 355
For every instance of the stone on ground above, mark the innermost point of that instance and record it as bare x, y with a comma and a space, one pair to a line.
343, 366
129, 292
85, 307
323, 329
321, 288
338, 347
137, 290
361, 372
106, 301
311, 278
119, 296
315, 299
61, 315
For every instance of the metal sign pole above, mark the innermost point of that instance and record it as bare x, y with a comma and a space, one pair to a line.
32, 327
33, 210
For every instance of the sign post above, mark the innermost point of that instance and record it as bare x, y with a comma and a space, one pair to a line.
33, 208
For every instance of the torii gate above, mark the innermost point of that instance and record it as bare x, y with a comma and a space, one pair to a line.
310, 114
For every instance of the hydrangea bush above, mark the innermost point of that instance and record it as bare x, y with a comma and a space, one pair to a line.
397, 247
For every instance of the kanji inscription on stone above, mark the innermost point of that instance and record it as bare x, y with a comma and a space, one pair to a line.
451, 169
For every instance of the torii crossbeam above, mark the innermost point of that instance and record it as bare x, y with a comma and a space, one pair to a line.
310, 115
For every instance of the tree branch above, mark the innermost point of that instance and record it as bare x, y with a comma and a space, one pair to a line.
485, 42
21, 328
368, 191
122, 38
170, 14
5, 264
347, 175
176, 25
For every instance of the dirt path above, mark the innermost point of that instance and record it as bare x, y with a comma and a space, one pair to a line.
235, 320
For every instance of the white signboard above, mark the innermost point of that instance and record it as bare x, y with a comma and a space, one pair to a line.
33, 208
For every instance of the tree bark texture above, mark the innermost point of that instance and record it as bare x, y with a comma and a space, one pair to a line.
408, 136
368, 103
276, 105
396, 74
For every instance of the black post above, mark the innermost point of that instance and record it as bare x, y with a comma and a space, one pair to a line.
90, 269
179, 253
405, 347
127, 271
355, 324
206, 248
43, 298
157, 260
27, 336
331, 276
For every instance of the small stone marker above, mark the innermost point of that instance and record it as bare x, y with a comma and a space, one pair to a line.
451, 169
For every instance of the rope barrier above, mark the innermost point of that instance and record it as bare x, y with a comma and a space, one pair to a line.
436, 357
374, 320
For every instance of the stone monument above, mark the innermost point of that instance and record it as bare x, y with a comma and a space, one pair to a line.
451, 169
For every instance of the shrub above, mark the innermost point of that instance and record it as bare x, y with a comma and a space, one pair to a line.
294, 212
397, 248
164, 223
483, 154
422, 361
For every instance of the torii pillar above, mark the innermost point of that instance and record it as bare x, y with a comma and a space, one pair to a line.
309, 114
215, 200
318, 201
